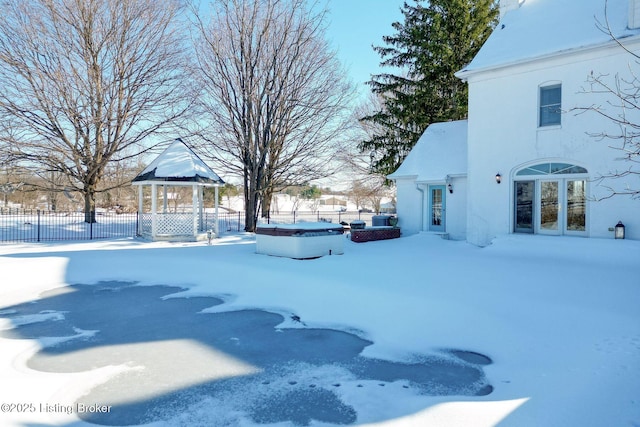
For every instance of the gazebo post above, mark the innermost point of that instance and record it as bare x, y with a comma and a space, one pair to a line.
200, 208
164, 198
194, 208
154, 208
215, 198
140, 211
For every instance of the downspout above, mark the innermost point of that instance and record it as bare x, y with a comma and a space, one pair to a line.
421, 190
634, 14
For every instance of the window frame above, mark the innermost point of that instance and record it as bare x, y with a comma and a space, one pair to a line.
550, 106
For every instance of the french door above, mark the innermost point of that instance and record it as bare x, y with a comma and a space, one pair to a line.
524, 209
550, 206
437, 207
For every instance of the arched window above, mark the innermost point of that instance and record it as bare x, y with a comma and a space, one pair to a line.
551, 169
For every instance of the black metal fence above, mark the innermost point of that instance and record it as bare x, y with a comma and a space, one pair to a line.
301, 216
230, 222
34, 225
24, 225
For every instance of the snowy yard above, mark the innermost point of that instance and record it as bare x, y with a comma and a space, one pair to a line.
559, 318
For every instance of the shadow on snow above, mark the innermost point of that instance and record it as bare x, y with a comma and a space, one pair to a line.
182, 364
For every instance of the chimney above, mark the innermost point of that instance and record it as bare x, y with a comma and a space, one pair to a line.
507, 5
634, 14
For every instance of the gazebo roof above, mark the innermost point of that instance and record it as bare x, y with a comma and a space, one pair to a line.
178, 164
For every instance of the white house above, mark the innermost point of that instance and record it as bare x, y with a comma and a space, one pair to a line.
526, 160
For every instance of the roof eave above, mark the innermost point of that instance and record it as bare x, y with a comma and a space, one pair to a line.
465, 74
402, 176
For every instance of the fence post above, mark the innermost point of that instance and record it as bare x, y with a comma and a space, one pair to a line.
92, 215
238, 220
294, 217
38, 211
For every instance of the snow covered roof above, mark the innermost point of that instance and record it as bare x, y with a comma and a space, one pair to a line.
542, 28
178, 163
440, 151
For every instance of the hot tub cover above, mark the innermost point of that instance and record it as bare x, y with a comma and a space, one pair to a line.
300, 229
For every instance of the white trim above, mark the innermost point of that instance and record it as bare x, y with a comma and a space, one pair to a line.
521, 166
465, 74
441, 181
406, 177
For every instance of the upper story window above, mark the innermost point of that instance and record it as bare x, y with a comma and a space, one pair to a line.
550, 105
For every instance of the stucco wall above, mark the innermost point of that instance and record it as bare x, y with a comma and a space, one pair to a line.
456, 213
408, 206
504, 134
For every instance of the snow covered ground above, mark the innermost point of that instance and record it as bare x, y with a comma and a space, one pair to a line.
559, 317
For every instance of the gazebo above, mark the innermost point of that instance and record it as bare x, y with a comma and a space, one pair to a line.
177, 167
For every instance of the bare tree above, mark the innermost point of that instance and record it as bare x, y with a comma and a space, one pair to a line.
10, 182
274, 94
621, 109
84, 82
367, 185
122, 198
619, 105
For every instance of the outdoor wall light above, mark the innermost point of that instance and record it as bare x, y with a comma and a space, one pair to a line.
447, 179
619, 230
498, 178
450, 188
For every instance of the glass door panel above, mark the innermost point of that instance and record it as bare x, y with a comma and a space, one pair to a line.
549, 206
436, 208
524, 197
576, 205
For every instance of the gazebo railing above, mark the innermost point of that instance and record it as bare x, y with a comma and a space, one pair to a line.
174, 224
144, 224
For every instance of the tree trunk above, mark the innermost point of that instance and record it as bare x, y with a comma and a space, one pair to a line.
251, 214
89, 204
249, 224
251, 207
266, 202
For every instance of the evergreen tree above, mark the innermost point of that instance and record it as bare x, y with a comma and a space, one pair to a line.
436, 39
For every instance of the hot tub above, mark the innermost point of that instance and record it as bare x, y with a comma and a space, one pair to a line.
300, 241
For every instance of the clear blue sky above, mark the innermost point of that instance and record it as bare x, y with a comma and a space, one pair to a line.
354, 26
